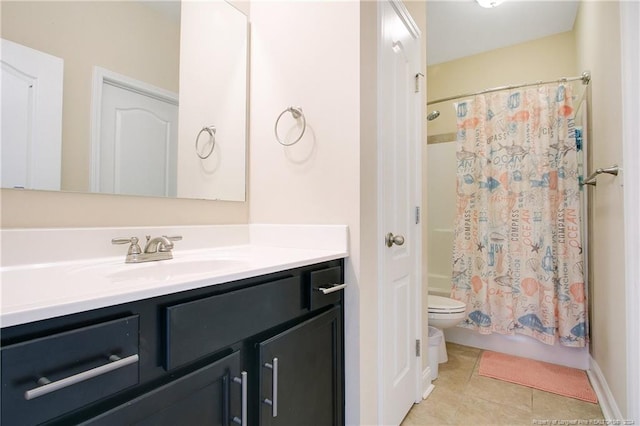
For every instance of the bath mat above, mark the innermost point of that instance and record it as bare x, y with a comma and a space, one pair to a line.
557, 379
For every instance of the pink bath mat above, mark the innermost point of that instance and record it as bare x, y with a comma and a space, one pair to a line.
557, 379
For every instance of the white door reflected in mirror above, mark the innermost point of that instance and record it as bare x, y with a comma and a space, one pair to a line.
31, 118
135, 137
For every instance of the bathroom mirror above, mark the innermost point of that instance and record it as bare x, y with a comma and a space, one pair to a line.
189, 58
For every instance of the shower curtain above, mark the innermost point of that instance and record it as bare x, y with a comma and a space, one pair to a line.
517, 257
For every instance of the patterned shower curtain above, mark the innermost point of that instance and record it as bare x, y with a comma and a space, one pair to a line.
517, 257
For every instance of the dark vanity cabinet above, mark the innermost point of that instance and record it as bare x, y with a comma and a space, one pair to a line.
266, 350
300, 373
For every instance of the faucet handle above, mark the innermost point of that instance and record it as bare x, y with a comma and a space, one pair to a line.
134, 248
174, 238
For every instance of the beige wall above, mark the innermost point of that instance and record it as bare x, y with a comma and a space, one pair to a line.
362, 389
547, 58
598, 49
330, 176
124, 37
318, 179
46, 209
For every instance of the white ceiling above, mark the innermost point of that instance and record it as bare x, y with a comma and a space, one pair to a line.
459, 28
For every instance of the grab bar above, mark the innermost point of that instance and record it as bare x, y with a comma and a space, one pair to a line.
591, 180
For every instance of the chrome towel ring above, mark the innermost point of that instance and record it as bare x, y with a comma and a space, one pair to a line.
211, 130
296, 112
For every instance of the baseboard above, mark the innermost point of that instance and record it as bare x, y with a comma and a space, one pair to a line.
606, 400
427, 387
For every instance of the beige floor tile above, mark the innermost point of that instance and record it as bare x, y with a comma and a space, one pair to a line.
459, 362
434, 417
463, 350
500, 392
456, 372
438, 409
453, 380
463, 397
551, 406
476, 411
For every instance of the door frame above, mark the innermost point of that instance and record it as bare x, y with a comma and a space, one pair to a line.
630, 44
102, 76
416, 202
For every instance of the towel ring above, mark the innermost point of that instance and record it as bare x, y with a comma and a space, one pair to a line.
296, 112
212, 137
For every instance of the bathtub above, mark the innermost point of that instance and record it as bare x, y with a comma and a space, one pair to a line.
520, 345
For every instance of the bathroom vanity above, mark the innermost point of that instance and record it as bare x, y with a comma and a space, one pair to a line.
265, 349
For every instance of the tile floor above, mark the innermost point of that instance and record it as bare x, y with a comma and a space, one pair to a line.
462, 397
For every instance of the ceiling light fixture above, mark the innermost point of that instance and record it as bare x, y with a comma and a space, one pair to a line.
489, 3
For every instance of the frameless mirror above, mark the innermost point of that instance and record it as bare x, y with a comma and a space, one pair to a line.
125, 97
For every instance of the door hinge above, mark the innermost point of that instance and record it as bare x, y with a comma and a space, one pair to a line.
417, 215
417, 347
417, 90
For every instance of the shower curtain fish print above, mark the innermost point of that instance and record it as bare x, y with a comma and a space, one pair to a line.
517, 257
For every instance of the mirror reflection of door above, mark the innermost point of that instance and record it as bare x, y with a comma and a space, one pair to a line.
135, 146
31, 118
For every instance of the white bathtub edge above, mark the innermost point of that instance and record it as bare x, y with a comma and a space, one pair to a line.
520, 345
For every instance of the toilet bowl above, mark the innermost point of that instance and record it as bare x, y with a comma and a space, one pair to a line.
444, 312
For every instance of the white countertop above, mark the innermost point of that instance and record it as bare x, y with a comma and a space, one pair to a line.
32, 292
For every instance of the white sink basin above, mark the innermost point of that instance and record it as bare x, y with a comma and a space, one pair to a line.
162, 270
166, 269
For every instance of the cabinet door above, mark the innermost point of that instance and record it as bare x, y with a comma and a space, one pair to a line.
301, 374
208, 396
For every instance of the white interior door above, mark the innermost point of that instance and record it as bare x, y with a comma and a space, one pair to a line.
31, 118
136, 150
399, 132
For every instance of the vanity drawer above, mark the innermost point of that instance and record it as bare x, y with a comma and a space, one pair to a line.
201, 327
81, 366
324, 287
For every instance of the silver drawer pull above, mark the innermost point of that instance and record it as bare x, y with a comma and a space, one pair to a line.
243, 382
334, 287
49, 387
274, 389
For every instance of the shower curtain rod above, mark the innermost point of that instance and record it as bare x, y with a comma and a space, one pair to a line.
585, 77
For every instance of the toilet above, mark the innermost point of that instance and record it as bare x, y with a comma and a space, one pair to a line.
445, 312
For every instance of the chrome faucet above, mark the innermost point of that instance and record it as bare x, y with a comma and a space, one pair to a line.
158, 248
158, 244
